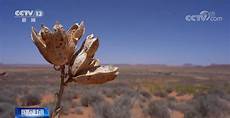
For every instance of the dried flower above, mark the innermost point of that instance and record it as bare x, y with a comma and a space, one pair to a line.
57, 46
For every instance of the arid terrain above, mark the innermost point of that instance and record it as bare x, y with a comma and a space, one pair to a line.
140, 91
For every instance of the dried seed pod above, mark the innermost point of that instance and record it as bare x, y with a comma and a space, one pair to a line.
94, 63
74, 34
39, 42
98, 75
79, 63
57, 46
76, 31
89, 47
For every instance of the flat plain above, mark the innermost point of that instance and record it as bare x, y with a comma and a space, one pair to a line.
139, 91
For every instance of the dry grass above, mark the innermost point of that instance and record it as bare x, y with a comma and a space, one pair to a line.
157, 90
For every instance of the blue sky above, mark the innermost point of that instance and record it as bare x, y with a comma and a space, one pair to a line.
130, 31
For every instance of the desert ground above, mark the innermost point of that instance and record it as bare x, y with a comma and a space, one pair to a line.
139, 91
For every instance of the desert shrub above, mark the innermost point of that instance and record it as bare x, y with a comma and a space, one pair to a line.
189, 89
50, 106
159, 109
204, 105
188, 110
208, 105
102, 110
66, 105
169, 89
171, 98
70, 94
90, 97
120, 108
79, 110
30, 100
179, 106
145, 94
6, 98
161, 93
8, 114
118, 89
192, 113
185, 89
220, 92
6, 95
154, 87
142, 96
109, 92
6, 110
124, 91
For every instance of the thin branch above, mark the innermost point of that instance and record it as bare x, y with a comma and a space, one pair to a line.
56, 112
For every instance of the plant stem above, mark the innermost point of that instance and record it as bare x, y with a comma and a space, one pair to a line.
56, 112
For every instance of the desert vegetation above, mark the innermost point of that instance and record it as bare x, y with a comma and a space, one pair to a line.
140, 91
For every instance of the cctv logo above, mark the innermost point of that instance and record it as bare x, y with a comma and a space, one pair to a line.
203, 16
28, 14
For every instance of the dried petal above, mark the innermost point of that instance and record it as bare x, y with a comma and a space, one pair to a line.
79, 62
94, 63
59, 47
76, 31
89, 47
98, 76
38, 41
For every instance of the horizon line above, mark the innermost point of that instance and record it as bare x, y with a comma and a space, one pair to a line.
185, 64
